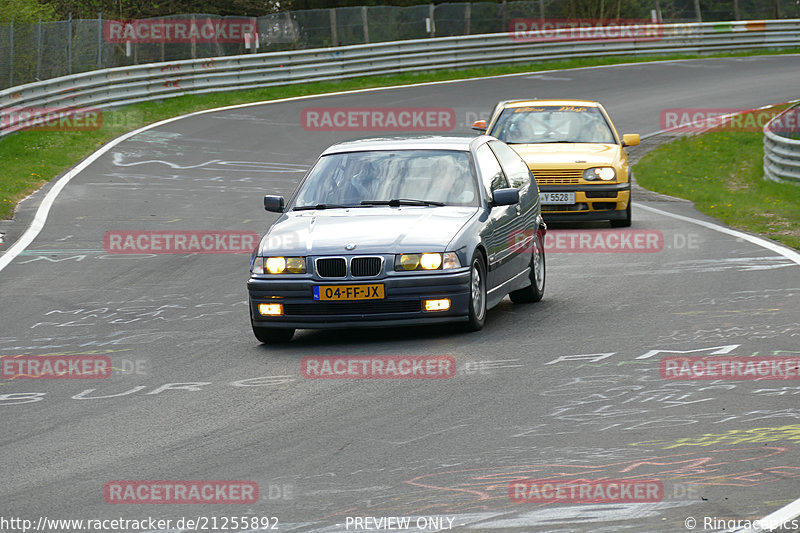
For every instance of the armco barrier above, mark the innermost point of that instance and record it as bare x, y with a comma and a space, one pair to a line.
154, 81
782, 154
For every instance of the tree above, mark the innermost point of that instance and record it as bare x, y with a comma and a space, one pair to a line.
25, 11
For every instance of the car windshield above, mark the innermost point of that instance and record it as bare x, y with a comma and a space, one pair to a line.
552, 124
414, 177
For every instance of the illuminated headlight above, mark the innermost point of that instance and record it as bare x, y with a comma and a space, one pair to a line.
279, 265
599, 173
441, 304
426, 261
270, 309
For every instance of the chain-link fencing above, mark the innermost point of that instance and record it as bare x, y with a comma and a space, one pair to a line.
32, 52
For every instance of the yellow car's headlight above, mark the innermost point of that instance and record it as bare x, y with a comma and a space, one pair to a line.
600, 173
426, 261
279, 265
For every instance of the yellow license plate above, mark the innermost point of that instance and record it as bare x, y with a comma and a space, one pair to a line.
349, 292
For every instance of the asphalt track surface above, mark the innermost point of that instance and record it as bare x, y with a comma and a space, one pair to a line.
325, 450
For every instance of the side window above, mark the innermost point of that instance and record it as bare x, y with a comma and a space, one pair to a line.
515, 167
491, 171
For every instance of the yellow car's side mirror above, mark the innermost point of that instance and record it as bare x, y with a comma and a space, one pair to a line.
629, 139
479, 125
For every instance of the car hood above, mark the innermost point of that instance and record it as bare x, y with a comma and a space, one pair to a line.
373, 230
581, 155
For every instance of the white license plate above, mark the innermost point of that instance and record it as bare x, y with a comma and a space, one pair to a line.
557, 197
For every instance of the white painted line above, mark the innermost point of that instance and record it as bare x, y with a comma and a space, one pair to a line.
44, 209
775, 520
758, 241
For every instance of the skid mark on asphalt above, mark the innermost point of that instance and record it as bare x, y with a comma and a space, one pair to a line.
118, 159
734, 436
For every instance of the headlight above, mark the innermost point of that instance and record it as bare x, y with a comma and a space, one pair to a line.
430, 261
426, 261
601, 173
279, 265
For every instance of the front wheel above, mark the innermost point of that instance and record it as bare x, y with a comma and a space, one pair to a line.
273, 335
538, 275
477, 293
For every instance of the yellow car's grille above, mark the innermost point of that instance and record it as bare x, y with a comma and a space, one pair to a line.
556, 181
557, 176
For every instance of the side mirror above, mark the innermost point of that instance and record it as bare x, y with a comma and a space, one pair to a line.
479, 125
273, 203
630, 139
508, 196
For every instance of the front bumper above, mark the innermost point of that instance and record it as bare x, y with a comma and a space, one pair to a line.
592, 202
401, 306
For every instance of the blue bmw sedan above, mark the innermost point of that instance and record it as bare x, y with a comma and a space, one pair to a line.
399, 231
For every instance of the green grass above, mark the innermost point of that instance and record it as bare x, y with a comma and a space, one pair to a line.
722, 173
31, 158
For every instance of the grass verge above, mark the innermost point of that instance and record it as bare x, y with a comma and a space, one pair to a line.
31, 158
722, 173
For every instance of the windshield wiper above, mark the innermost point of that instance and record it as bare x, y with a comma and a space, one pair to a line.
322, 206
397, 202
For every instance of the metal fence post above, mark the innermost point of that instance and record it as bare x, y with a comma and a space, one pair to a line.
251, 37
364, 23
11, 62
697, 12
431, 17
334, 29
69, 43
194, 44
99, 40
467, 16
39, 50
541, 9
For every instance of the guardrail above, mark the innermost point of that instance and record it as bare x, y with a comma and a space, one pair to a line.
782, 153
155, 81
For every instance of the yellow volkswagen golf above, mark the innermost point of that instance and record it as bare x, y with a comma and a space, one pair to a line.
575, 153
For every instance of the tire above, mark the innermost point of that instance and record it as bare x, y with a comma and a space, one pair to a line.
625, 222
477, 299
538, 275
273, 335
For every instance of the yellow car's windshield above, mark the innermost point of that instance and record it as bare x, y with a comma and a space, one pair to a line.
552, 124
